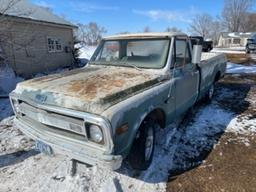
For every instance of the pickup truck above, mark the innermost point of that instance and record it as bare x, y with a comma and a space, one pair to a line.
251, 44
110, 110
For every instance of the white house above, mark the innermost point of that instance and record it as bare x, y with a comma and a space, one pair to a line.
234, 39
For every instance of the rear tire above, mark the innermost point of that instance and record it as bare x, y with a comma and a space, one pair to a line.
248, 50
210, 93
142, 150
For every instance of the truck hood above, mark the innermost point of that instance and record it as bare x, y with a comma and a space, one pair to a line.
91, 89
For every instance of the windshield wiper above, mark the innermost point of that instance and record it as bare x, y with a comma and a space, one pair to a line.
115, 64
134, 66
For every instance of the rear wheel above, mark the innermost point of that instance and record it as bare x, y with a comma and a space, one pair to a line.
247, 50
209, 94
142, 149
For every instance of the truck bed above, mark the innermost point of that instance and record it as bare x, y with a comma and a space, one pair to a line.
211, 56
213, 65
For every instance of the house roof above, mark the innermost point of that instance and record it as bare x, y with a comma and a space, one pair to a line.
144, 35
27, 10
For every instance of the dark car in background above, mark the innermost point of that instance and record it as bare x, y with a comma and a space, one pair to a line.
251, 44
207, 46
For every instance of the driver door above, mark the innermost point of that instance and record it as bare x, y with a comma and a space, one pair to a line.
185, 75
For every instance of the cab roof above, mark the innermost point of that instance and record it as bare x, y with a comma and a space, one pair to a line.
144, 35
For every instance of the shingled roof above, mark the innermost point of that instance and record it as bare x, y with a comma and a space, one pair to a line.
27, 10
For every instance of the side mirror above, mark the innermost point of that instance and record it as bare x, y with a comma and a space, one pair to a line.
197, 53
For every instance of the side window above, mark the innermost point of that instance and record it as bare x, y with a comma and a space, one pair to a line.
181, 53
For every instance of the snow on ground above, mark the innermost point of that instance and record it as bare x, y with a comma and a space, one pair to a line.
23, 169
237, 68
85, 52
8, 80
5, 108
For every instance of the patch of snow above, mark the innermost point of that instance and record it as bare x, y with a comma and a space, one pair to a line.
238, 69
5, 108
59, 70
8, 80
244, 125
86, 52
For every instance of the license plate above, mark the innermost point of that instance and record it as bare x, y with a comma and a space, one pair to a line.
43, 148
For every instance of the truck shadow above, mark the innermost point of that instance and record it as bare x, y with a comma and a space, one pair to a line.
16, 157
193, 140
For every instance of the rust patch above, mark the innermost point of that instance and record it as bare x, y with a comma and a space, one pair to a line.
103, 84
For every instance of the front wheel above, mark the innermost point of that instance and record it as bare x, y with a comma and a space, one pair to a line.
209, 94
143, 146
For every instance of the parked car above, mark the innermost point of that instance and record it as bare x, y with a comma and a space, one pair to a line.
207, 44
109, 110
251, 44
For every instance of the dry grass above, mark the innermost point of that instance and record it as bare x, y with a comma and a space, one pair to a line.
241, 58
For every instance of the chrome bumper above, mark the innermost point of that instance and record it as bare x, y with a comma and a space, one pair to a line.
70, 147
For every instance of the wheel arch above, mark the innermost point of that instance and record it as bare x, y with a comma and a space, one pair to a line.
217, 77
158, 115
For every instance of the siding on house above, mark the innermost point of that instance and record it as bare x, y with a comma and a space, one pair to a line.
233, 39
27, 45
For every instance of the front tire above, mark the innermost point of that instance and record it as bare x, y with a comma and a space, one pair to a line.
142, 150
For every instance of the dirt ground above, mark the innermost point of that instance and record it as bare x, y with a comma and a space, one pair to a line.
231, 164
241, 58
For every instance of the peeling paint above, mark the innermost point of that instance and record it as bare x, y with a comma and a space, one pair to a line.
92, 89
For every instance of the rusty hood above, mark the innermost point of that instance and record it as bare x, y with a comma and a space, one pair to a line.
91, 89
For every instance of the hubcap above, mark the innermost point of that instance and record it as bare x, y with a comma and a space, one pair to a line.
149, 143
211, 90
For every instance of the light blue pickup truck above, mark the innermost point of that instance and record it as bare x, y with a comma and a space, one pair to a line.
109, 110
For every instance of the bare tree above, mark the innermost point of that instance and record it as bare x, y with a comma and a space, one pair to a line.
215, 29
201, 25
146, 29
234, 13
91, 33
172, 29
5, 6
123, 32
249, 23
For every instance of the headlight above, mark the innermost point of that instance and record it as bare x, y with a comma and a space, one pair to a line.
95, 134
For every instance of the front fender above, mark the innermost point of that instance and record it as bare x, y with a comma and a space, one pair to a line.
133, 111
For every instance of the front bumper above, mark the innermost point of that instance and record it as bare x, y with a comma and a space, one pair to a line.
61, 145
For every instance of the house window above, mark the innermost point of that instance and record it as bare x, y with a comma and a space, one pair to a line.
236, 41
54, 45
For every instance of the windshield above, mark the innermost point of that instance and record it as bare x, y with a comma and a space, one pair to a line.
146, 53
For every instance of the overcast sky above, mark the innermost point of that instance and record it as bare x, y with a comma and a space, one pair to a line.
131, 15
